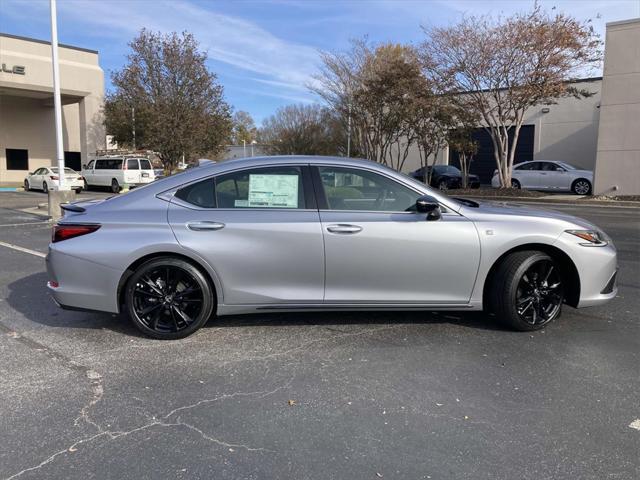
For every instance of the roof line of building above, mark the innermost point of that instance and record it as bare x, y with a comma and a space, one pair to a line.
46, 42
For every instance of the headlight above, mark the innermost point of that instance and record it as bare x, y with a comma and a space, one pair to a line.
592, 238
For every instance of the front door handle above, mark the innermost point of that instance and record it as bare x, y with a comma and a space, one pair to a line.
202, 226
344, 228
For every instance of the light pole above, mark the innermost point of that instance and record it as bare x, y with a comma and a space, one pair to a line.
253, 142
244, 148
57, 104
349, 133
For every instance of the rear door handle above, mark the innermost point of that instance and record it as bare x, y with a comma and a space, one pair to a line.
344, 228
202, 226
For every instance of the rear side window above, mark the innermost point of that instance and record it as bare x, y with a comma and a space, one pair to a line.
270, 187
145, 164
132, 164
109, 164
201, 194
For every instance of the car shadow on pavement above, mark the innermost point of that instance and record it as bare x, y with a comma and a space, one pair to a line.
29, 297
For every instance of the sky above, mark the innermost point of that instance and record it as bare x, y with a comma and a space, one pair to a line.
265, 52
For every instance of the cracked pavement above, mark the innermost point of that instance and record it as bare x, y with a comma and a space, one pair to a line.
399, 394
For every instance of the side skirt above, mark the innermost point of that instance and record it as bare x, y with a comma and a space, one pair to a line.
338, 307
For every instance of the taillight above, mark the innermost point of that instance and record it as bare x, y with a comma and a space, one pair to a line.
53, 177
65, 232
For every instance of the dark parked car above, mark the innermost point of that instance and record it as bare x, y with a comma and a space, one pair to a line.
445, 177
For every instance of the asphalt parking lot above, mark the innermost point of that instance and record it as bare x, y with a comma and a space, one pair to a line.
325, 395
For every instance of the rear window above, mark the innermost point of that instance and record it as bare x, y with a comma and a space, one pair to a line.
145, 164
109, 164
132, 164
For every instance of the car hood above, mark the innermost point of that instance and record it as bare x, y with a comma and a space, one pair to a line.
492, 209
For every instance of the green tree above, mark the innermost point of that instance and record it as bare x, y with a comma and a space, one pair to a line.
178, 104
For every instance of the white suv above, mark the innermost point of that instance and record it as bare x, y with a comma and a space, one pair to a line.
114, 172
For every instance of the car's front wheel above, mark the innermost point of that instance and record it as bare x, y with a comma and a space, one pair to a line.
443, 185
515, 184
582, 186
169, 298
26, 186
527, 291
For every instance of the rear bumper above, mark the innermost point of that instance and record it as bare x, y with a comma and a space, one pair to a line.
82, 284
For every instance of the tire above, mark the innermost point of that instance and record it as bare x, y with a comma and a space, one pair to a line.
168, 298
115, 186
78, 190
581, 186
515, 184
443, 185
26, 185
45, 187
526, 291
86, 185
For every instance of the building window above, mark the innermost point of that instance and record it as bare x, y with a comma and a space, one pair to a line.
17, 159
73, 160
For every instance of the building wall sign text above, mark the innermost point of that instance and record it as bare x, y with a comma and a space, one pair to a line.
15, 69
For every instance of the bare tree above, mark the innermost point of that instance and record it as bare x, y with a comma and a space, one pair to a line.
302, 130
461, 141
244, 128
501, 67
374, 86
179, 106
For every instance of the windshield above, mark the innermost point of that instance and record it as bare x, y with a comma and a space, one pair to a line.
568, 166
447, 169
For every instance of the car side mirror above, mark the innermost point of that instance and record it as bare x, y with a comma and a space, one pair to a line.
429, 205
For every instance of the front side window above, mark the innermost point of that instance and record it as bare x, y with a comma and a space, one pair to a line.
90, 166
270, 187
355, 189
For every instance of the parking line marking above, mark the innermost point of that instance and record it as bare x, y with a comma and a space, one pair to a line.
25, 223
22, 249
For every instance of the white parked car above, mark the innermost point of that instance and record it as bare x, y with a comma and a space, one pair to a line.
47, 178
549, 175
115, 172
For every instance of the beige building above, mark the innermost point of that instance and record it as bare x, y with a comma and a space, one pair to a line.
27, 134
566, 131
617, 169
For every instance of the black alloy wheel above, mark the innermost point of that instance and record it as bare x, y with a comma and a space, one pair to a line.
515, 184
526, 290
443, 185
539, 295
169, 298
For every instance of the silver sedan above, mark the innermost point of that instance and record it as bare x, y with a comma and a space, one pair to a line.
319, 233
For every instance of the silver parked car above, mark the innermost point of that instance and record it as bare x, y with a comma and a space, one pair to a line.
296, 233
549, 175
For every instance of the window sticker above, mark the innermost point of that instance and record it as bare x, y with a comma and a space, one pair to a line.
275, 191
241, 203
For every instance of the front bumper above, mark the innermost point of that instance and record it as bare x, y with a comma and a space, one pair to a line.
597, 268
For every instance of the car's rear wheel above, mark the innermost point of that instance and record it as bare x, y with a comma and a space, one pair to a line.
581, 186
45, 187
26, 186
78, 190
115, 186
169, 298
515, 184
86, 185
443, 185
527, 291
